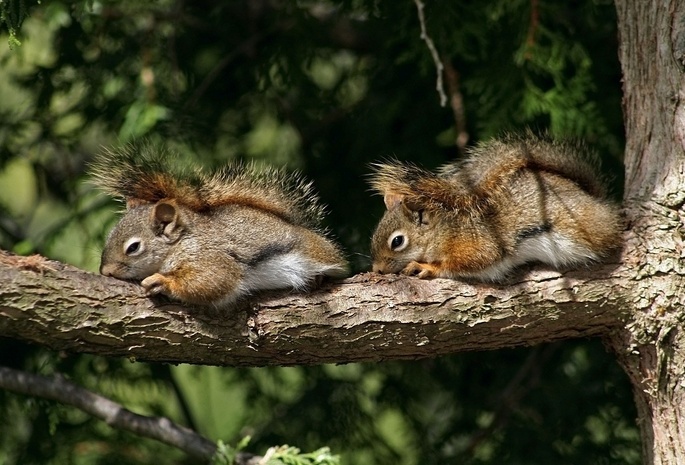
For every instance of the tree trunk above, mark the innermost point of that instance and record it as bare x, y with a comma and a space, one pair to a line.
651, 347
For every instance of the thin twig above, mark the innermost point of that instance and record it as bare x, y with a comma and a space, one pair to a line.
457, 104
115, 415
217, 69
532, 27
248, 47
525, 379
434, 53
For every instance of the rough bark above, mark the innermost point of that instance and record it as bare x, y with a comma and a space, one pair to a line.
365, 318
651, 347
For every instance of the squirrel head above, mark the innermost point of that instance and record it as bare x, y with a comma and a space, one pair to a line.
423, 210
140, 242
402, 235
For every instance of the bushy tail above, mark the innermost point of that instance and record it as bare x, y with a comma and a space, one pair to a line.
141, 172
492, 162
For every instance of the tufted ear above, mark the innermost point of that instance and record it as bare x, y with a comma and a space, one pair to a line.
413, 211
166, 221
392, 201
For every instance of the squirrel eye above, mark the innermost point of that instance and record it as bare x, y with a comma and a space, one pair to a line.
133, 247
398, 241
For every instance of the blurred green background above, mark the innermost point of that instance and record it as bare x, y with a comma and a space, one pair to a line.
325, 88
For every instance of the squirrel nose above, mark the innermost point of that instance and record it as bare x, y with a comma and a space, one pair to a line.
106, 270
377, 268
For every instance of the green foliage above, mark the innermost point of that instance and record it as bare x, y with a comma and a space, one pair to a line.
287, 455
278, 455
225, 454
12, 14
327, 88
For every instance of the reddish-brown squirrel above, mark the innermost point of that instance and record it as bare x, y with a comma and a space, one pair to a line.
211, 238
513, 200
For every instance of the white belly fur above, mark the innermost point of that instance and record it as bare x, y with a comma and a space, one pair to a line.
551, 248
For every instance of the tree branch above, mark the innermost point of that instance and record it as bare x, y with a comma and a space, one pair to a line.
457, 103
365, 318
433, 51
63, 391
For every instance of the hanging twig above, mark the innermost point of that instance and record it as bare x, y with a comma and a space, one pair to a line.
457, 104
532, 28
434, 53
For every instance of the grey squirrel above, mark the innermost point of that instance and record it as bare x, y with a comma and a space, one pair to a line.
513, 200
211, 238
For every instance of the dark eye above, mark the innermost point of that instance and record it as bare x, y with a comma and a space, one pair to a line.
397, 242
132, 248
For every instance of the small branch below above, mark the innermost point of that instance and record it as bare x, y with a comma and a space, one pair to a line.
63, 391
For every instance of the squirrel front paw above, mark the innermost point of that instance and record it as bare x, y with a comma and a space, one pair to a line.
155, 284
420, 270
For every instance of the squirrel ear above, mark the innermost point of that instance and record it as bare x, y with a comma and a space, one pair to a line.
392, 201
424, 217
417, 213
165, 212
167, 222
411, 210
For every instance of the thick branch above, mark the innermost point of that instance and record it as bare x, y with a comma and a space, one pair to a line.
365, 318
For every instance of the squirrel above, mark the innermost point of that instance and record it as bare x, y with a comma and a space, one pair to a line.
514, 200
210, 238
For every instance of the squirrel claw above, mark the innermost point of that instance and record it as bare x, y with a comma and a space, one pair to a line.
420, 270
154, 284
